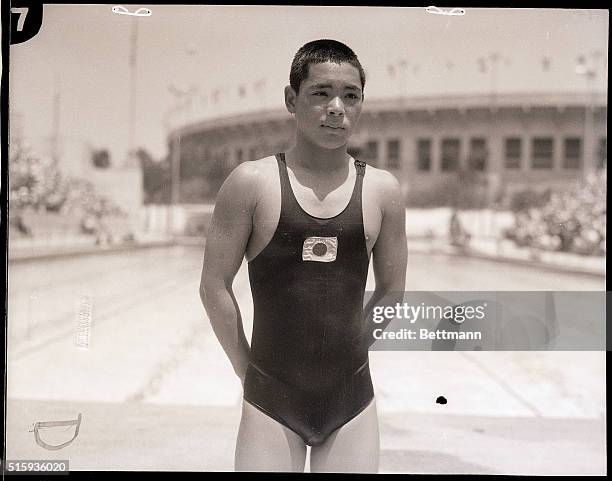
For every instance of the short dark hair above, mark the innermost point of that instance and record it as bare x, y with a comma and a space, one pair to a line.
320, 51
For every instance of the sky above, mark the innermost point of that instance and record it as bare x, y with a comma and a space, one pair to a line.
82, 52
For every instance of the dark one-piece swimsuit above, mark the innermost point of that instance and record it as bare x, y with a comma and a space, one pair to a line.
308, 365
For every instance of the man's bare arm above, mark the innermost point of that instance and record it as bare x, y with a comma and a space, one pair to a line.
390, 252
226, 243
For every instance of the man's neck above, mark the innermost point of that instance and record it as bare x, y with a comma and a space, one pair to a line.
310, 157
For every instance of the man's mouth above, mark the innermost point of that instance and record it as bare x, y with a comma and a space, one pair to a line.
333, 127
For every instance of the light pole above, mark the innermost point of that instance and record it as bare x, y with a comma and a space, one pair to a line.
399, 68
175, 159
493, 177
133, 60
589, 70
175, 175
490, 63
55, 131
180, 94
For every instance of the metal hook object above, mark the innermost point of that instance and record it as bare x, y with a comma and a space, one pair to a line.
51, 424
440, 11
141, 12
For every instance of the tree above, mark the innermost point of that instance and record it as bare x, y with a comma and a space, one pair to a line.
156, 177
101, 159
34, 181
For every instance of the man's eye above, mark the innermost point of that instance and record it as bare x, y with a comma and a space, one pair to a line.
352, 96
319, 93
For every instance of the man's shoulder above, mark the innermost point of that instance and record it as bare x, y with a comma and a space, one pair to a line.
251, 170
380, 178
263, 164
247, 180
382, 188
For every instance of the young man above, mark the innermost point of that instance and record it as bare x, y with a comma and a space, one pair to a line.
307, 221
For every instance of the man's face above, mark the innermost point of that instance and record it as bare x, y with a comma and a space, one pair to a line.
329, 104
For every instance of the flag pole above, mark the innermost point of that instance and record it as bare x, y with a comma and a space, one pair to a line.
133, 59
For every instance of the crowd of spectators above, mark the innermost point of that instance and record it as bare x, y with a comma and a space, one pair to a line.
572, 220
36, 183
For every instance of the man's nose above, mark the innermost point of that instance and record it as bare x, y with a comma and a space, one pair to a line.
335, 107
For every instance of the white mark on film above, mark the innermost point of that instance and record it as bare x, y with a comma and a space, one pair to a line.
83, 319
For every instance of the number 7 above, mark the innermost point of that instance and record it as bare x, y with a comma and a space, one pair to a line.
22, 12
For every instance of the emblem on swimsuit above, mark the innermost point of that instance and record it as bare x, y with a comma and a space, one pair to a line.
320, 249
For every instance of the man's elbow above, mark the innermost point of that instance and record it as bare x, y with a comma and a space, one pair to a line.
207, 289
392, 283
210, 289
388, 288
202, 292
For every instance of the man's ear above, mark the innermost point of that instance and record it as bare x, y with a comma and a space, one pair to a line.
290, 98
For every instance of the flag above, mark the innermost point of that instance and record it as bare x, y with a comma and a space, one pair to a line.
259, 85
545, 63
